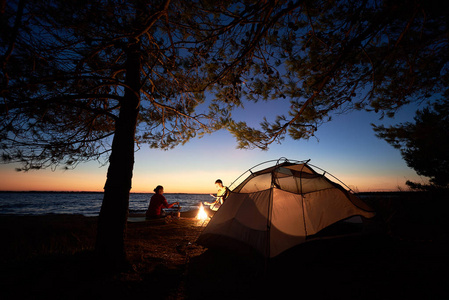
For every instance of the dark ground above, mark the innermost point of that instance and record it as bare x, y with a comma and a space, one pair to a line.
399, 256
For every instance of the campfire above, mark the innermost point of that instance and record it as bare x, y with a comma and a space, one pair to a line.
202, 215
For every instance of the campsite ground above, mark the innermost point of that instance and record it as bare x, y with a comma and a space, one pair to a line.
401, 255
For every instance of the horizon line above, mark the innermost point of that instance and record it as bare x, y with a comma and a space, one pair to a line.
98, 192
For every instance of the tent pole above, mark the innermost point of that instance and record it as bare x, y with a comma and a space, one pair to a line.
267, 251
302, 198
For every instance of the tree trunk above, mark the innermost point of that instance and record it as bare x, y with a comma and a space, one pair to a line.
111, 232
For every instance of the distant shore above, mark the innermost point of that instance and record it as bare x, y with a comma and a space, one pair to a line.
392, 192
93, 192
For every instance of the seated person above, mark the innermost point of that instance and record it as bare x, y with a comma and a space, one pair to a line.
158, 202
222, 194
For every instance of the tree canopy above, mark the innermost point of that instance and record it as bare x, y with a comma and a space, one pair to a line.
64, 78
325, 57
336, 56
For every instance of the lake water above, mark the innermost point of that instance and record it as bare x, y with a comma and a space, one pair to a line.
88, 204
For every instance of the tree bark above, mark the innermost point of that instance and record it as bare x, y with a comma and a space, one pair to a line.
113, 216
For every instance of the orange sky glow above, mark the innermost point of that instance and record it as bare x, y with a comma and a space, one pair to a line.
346, 148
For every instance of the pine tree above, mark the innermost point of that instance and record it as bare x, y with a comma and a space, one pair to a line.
424, 144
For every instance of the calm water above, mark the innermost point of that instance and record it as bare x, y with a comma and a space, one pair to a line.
88, 204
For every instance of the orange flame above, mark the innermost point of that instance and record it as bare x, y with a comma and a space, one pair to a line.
202, 215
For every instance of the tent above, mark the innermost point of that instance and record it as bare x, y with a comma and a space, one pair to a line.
278, 207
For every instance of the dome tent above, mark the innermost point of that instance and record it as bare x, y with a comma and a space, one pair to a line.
278, 207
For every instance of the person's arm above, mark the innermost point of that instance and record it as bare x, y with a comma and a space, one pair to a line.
210, 203
220, 195
171, 205
165, 203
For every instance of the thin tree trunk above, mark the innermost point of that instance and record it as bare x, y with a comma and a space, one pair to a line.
114, 210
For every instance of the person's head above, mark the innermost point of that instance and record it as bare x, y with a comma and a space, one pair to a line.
219, 183
159, 189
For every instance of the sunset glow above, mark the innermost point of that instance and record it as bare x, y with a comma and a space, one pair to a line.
347, 149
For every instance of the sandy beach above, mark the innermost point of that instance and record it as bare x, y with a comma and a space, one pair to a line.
51, 257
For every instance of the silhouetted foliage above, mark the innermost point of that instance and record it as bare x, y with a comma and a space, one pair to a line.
64, 78
331, 57
424, 144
